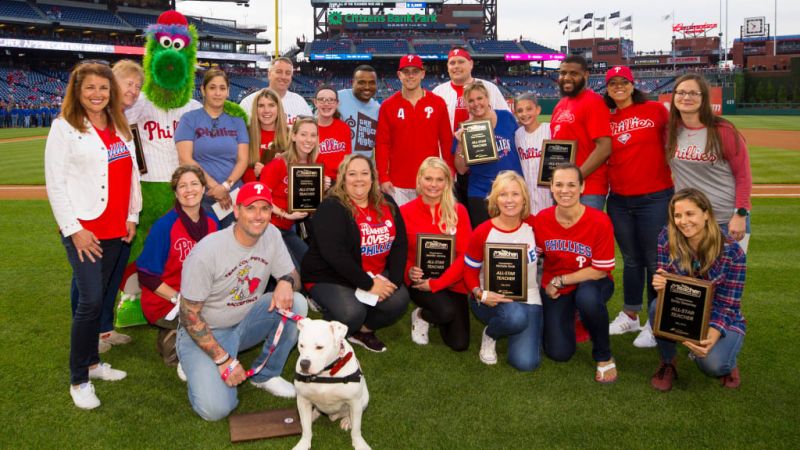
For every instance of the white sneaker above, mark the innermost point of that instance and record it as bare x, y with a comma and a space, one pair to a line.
181, 373
645, 339
419, 328
488, 354
277, 386
104, 372
623, 324
83, 396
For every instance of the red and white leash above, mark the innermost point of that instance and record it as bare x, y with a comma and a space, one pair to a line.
286, 315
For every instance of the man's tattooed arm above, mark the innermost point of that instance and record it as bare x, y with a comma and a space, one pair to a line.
198, 329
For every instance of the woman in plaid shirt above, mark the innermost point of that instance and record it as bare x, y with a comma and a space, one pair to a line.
693, 245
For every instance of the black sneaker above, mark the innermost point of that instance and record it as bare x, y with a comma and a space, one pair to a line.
368, 340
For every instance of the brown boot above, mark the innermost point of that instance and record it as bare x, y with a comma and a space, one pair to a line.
663, 378
165, 345
731, 380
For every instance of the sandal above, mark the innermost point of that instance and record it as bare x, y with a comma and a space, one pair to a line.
600, 376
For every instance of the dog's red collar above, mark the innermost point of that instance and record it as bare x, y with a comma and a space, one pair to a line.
339, 363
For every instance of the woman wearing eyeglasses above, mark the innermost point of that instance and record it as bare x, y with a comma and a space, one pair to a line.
216, 141
93, 187
706, 152
641, 186
334, 135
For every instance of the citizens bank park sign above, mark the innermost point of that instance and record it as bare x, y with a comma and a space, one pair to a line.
338, 18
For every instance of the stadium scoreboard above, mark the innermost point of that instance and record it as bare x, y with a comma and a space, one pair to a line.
372, 4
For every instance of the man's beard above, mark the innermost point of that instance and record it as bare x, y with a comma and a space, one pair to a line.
577, 88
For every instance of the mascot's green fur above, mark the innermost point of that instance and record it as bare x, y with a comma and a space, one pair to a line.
169, 65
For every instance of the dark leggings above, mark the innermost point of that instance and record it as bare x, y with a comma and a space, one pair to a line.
590, 299
448, 310
478, 212
339, 303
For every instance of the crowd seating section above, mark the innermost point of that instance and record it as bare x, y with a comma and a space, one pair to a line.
384, 46
495, 47
18, 9
82, 16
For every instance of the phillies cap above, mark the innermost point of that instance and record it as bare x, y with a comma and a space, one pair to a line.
619, 71
459, 52
253, 191
411, 61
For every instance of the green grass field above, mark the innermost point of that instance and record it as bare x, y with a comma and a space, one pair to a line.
421, 397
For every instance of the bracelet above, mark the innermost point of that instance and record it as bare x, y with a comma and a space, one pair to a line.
175, 298
226, 185
229, 370
222, 360
288, 278
484, 295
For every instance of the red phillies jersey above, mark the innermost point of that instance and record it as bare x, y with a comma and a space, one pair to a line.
637, 164
377, 236
461, 112
111, 223
590, 242
276, 176
407, 134
167, 246
334, 144
584, 118
266, 138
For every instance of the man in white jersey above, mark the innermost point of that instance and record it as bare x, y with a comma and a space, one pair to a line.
459, 67
280, 78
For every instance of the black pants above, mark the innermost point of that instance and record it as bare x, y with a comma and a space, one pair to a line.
478, 212
339, 303
447, 310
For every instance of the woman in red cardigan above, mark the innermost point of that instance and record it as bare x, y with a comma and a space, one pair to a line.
442, 300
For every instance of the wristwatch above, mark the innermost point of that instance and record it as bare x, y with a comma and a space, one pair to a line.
742, 212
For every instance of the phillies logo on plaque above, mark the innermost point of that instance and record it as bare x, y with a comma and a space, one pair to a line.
554, 153
305, 187
505, 270
683, 309
477, 142
435, 253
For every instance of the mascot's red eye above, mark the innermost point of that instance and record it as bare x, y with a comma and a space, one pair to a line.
165, 41
178, 43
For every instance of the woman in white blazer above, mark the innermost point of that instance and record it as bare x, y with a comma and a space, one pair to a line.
93, 186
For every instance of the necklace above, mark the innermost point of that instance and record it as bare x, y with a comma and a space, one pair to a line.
364, 211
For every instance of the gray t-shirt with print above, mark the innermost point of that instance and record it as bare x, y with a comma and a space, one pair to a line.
230, 277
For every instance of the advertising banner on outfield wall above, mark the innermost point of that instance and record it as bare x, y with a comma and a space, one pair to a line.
716, 100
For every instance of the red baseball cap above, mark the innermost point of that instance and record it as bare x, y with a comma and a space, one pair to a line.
619, 71
411, 61
253, 191
459, 52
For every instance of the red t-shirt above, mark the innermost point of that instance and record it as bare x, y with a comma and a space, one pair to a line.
461, 113
407, 134
377, 236
590, 242
637, 164
276, 176
334, 144
266, 138
584, 118
111, 222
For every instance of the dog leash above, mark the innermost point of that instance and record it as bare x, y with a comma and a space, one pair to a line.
285, 316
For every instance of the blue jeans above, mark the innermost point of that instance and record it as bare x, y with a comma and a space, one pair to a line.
720, 361
590, 299
296, 246
596, 201
93, 284
110, 299
637, 221
210, 397
522, 323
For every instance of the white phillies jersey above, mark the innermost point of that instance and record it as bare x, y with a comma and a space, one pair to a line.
446, 91
293, 104
529, 148
157, 131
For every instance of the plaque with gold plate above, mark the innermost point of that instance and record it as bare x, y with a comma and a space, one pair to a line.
435, 253
554, 152
305, 187
505, 270
683, 309
477, 142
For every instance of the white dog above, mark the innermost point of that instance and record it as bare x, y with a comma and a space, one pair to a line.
328, 380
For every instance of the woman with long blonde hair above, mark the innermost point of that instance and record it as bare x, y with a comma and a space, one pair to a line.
269, 134
693, 245
354, 265
303, 149
441, 300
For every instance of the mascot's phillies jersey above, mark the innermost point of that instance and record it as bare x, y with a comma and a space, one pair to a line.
588, 243
157, 131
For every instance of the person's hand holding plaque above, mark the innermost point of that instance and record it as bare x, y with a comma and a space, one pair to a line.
415, 274
491, 299
704, 348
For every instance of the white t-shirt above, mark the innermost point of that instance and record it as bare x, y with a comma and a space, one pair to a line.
230, 277
157, 131
529, 148
446, 91
293, 104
